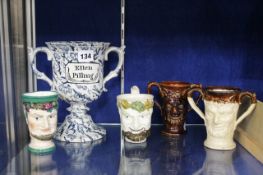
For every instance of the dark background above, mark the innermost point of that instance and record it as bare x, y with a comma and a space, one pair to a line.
213, 42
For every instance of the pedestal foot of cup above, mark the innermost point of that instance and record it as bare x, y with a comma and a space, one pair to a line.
213, 145
79, 129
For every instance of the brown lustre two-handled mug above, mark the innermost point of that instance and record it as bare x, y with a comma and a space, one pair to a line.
174, 104
221, 114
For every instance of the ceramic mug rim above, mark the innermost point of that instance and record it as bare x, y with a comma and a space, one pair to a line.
39, 96
175, 84
137, 97
94, 43
222, 90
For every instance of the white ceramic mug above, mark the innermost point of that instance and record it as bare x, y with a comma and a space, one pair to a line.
221, 110
135, 111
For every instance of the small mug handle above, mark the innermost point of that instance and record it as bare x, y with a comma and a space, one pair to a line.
199, 96
32, 52
149, 91
114, 73
192, 102
252, 106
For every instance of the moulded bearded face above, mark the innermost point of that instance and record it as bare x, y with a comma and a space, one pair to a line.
42, 124
220, 118
136, 124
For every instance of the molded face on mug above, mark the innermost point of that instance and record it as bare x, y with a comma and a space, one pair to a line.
40, 110
220, 118
134, 121
221, 110
42, 124
135, 110
174, 106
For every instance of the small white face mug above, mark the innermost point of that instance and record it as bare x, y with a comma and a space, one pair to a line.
40, 110
135, 111
221, 114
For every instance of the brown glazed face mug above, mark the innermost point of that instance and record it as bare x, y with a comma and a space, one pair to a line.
174, 104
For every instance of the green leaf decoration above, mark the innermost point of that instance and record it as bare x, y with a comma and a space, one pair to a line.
138, 106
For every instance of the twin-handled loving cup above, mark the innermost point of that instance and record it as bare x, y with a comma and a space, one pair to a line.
174, 104
221, 110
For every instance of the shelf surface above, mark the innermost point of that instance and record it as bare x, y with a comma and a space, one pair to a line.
160, 155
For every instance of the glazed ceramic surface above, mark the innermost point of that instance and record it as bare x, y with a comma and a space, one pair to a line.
221, 114
78, 79
174, 104
135, 111
40, 110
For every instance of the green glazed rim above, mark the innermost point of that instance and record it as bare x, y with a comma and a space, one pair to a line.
41, 151
40, 96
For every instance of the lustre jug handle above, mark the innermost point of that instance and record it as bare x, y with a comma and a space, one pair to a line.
149, 91
32, 58
114, 73
252, 106
192, 102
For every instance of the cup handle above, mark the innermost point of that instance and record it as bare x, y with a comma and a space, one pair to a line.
199, 96
114, 73
32, 59
192, 102
149, 91
252, 106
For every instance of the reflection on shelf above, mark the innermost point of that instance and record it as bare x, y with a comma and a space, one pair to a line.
172, 154
217, 163
135, 160
79, 157
43, 165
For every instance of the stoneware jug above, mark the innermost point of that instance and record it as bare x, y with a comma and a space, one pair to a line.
135, 111
221, 110
78, 77
174, 104
40, 110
